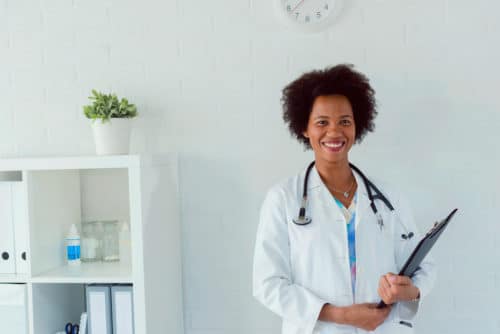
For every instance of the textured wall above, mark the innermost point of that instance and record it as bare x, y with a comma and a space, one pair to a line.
206, 76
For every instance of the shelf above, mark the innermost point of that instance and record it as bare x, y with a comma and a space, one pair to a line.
84, 162
96, 272
49, 194
13, 278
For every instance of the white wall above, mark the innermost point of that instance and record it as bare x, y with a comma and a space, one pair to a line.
207, 75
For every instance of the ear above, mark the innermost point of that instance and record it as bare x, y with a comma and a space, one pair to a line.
305, 134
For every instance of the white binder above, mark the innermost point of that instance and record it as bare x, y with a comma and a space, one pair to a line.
13, 311
99, 309
20, 222
7, 254
123, 309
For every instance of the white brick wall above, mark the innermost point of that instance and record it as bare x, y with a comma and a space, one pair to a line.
207, 75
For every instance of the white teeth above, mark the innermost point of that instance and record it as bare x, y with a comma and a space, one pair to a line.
333, 145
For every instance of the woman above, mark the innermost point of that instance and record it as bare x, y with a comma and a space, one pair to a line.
327, 274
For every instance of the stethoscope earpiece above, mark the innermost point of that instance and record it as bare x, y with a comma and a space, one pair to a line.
407, 236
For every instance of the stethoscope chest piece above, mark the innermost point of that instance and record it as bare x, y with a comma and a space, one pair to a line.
302, 220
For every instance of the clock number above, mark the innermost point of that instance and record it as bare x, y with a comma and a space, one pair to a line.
318, 15
326, 6
297, 15
288, 8
308, 18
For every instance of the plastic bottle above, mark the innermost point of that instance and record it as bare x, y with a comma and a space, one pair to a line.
125, 244
73, 246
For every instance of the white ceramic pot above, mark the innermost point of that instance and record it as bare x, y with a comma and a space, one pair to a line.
113, 136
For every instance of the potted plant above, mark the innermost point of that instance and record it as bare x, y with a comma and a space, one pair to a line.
111, 122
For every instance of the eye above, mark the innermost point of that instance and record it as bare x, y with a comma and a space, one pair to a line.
345, 122
322, 122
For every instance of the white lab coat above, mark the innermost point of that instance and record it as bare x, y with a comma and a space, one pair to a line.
297, 269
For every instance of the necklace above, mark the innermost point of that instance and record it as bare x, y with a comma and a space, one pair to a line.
346, 193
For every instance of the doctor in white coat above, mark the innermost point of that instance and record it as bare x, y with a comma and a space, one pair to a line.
328, 274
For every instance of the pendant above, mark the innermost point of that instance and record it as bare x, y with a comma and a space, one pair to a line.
346, 194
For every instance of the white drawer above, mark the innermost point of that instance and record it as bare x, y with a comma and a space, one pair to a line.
13, 311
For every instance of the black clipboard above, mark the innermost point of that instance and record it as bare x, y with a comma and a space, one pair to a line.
424, 246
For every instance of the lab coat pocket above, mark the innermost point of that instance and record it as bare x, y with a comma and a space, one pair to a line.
400, 326
393, 326
405, 323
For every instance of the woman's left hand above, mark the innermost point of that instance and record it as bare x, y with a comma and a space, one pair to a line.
393, 288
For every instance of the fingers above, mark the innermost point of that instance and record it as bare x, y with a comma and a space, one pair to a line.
369, 317
385, 291
385, 295
384, 282
398, 280
393, 288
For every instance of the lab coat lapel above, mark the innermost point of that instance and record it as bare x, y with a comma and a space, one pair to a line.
363, 204
319, 193
315, 183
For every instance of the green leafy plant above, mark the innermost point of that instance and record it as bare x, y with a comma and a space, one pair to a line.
107, 106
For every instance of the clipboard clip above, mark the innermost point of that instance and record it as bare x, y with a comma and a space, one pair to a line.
434, 228
438, 225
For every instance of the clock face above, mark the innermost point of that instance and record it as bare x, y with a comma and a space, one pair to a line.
308, 15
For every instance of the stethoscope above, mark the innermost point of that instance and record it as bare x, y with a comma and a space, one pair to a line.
302, 219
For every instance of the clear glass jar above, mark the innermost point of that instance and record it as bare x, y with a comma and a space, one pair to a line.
110, 241
91, 241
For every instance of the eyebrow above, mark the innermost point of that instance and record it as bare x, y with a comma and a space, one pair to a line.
323, 116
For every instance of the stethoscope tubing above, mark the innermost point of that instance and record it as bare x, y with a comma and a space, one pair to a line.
302, 219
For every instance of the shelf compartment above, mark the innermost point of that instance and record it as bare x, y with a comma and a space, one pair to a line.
59, 198
67, 302
94, 272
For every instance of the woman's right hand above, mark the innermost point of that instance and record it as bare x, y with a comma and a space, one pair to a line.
365, 316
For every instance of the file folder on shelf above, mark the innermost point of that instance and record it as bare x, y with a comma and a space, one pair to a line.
7, 255
20, 222
123, 309
99, 309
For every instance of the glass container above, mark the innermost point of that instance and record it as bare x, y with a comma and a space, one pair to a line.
110, 241
91, 241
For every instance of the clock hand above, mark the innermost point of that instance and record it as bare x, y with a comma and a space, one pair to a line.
297, 5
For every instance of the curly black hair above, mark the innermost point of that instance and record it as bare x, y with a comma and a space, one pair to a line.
298, 98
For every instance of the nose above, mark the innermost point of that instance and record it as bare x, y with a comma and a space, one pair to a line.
332, 129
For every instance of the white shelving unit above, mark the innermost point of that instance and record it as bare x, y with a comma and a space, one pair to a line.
55, 192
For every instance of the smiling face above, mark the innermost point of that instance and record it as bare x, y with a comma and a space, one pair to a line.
331, 130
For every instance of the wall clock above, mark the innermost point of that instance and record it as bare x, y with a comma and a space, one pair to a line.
308, 15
